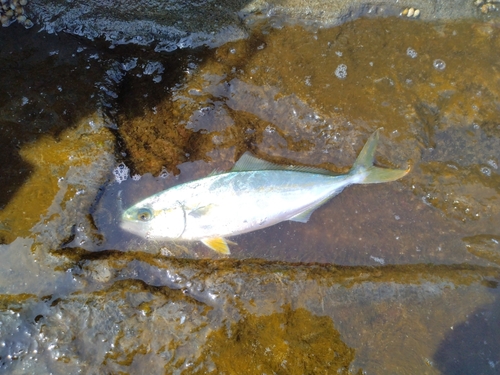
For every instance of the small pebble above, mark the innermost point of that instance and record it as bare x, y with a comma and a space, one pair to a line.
13, 10
28, 24
488, 8
410, 12
5, 21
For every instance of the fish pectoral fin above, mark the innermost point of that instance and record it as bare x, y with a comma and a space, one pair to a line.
200, 211
218, 244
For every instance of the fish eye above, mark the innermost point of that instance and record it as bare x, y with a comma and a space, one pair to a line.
144, 214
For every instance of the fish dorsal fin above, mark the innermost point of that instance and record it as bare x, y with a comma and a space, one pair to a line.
248, 162
215, 172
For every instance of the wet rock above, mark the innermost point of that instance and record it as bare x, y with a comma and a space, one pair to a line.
325, 12
56, 137
277, 95
167, 25
484, 246
202, 317
422, 285
172, 24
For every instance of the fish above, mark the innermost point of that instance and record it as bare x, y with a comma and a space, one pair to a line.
254, 194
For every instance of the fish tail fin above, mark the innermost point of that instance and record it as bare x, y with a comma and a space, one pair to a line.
372, 174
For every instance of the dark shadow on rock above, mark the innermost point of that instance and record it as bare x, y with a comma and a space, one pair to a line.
14, 170
152, 126
51, 82
473, 347
45, 88
139, 92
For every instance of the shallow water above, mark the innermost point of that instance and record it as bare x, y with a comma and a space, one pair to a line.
279, 95
408, 281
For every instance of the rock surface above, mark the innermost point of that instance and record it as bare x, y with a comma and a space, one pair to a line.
410, 280
172, 24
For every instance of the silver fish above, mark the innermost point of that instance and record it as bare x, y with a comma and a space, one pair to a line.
255, 194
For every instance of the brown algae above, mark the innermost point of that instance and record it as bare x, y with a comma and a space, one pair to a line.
288, 342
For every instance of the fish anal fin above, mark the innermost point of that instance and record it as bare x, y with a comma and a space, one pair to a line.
217, 244
304, 216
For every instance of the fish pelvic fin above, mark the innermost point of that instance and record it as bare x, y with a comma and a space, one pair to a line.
372, 174
217, 244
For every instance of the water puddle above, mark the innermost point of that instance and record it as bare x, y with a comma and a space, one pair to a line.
300, 97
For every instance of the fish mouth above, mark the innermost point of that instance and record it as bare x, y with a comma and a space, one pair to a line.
125, 217
129, 227
127, 224
124, 214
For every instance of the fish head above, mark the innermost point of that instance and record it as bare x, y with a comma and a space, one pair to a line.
150, 220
